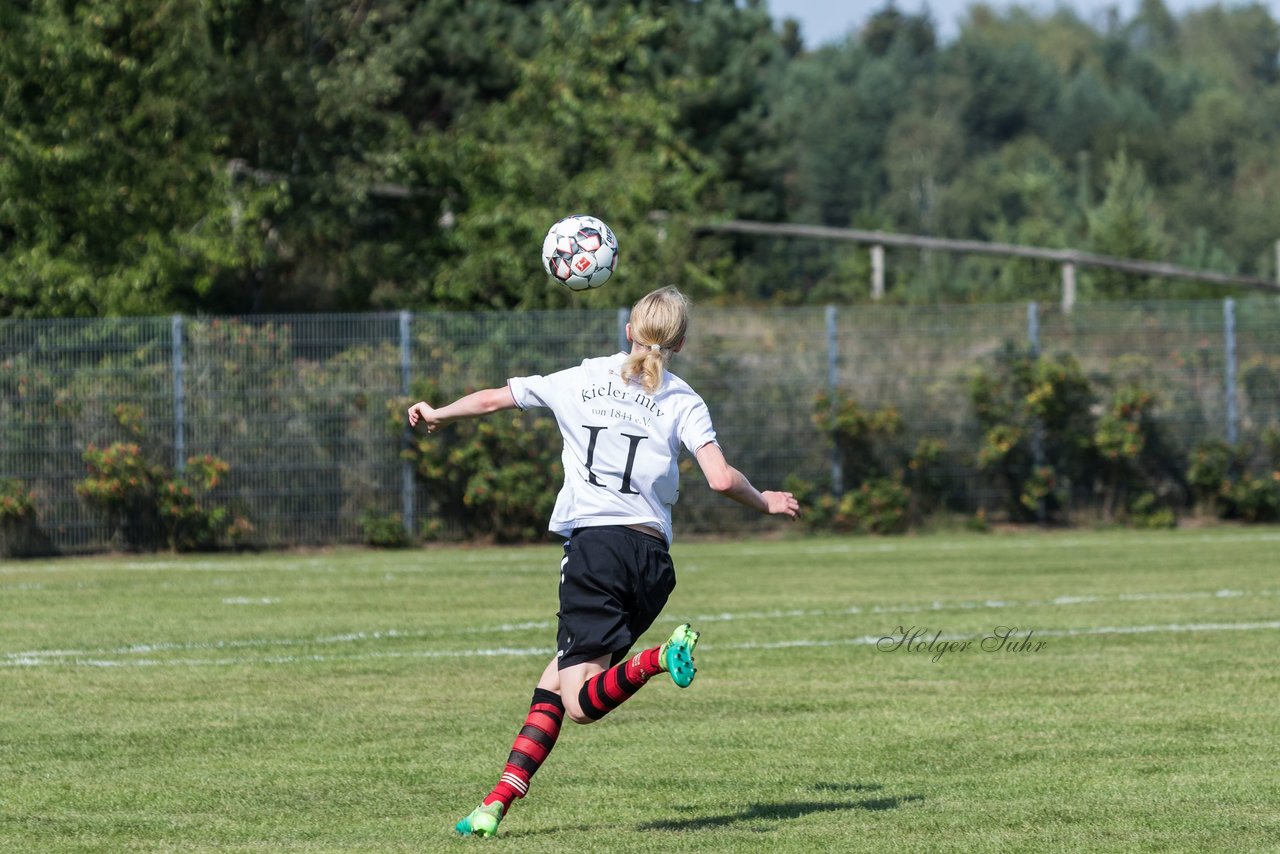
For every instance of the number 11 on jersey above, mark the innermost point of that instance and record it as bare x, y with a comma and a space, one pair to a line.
633, 444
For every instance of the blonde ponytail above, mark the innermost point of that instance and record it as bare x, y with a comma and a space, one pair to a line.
649, 366
658, 323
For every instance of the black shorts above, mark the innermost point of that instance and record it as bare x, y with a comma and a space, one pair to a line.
614, 581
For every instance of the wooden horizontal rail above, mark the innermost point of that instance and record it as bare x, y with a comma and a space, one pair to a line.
944, 244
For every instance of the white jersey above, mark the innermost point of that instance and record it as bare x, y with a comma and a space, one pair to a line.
621, 446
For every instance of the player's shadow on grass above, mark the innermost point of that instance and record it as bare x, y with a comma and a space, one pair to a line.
790, 809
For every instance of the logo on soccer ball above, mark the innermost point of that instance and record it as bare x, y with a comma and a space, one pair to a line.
581, 263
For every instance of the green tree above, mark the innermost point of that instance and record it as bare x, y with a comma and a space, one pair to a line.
1127, 223
1009, 89
233, 156
1237, 46
580, 132
1154, 27
836, 108
923, 152
718, 59
106, 155
329, 103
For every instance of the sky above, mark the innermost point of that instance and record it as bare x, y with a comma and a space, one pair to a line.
823, 21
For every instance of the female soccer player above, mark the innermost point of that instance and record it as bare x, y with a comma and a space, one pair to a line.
623, 419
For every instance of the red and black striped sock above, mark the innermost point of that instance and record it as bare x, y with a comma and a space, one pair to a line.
605, 691
537, 737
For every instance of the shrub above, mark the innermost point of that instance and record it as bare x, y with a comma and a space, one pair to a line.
1209, 474
147, 507
1048, 443
1042, 488
1119, 436
383, 530
17, 504
1035, 413
124, 489
1135, 467
879, 506
495, 477
864, 439
188, 521
978, 522
1271, 442
1147, 511
925, 477
1223, 486
20, 533
886, 486
1252, 499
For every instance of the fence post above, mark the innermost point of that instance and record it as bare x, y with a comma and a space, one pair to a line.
833, 380
1229, 342
406, 467
179, 396
1068, 287
877, 271
1037, 429
624, 315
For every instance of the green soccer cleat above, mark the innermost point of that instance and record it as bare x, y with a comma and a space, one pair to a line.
483, 821
676, 655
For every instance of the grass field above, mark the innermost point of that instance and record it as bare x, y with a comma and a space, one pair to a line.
364, 701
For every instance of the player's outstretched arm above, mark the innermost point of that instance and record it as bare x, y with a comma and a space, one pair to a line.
471, 406
731, 483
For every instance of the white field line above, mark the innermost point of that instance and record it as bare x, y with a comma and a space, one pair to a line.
240, 565
865, 640
533, 558
1016, 543
976, 605
1171, 628
52, 655
96, 657
536, 625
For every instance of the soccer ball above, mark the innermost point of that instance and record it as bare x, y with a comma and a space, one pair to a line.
580, 252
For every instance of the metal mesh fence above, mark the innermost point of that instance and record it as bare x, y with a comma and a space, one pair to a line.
297, 406
1175, 350
308, 410
919, 361
1257, 372
758, 371
61, 382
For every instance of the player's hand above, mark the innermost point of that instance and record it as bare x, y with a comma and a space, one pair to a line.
422, 411
782, 504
